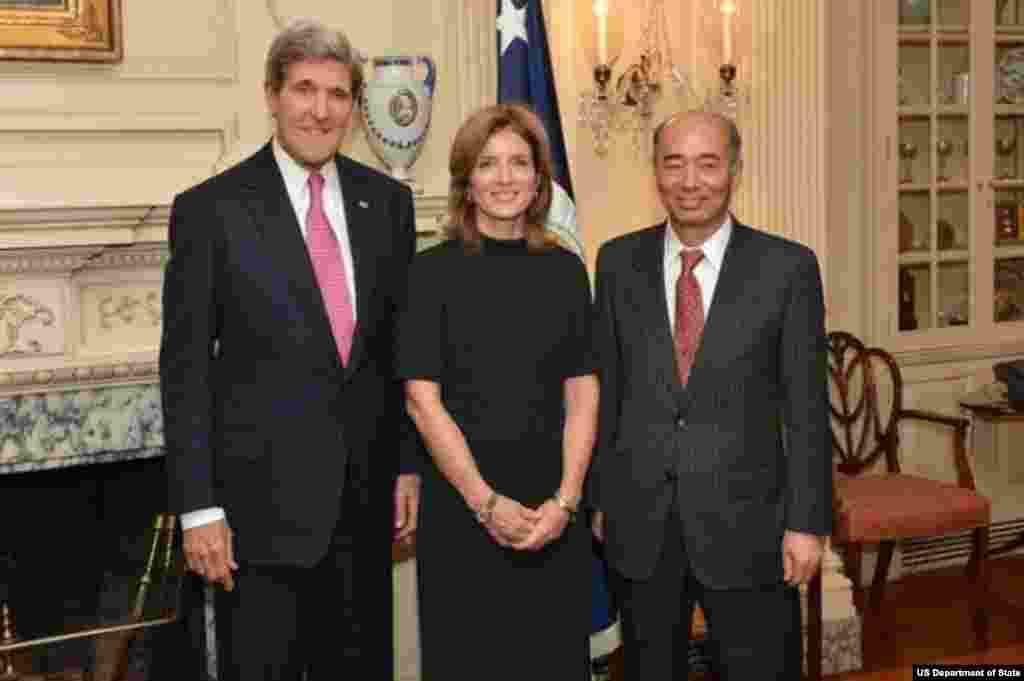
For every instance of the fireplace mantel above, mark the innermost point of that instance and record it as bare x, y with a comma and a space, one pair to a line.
79, 334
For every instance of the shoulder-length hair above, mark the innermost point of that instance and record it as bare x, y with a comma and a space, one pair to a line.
469, 144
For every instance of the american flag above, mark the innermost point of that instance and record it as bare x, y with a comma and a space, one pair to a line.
525, 76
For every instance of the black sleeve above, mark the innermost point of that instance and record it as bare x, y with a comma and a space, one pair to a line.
420, 333
606, 355
580, 359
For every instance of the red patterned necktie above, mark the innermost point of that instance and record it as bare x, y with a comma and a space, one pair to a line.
689, 323
329, 266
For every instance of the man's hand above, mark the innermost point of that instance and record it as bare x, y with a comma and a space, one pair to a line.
407, 506
210, 553
597, 526
801, 556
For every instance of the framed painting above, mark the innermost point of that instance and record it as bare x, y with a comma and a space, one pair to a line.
61, 30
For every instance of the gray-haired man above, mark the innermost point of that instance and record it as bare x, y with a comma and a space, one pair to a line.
281, 411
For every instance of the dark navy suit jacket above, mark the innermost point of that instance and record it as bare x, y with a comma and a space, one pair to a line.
260, 416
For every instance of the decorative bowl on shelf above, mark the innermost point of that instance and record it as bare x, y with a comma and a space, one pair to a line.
1010, 77
915, 12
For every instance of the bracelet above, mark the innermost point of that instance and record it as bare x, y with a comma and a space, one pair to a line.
564, 505
487, 510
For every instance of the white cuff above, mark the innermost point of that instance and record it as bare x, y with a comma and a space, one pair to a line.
203, 516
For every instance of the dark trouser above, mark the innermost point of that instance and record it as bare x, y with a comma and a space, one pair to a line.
285, 623
755, 633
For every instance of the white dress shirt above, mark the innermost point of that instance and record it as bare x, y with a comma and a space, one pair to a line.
296, 182
706, 271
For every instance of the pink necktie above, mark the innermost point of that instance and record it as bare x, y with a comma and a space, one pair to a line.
689, 314
329, 266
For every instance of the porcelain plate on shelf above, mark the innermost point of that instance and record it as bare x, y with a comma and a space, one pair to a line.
1010, 76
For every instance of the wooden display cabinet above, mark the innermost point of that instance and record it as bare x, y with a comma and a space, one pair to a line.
948, 178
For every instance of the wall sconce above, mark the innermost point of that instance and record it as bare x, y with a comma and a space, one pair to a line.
726, 100
628, 103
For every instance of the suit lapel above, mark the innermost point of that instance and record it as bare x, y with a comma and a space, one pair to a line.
720, 325
725, 312
652, 308
359, 206
275, 224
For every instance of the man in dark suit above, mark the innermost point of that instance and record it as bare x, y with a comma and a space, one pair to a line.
281, 411
711, 478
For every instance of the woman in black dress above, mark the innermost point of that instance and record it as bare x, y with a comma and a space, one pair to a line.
494, 350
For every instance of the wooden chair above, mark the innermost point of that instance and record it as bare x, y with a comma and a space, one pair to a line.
876, 504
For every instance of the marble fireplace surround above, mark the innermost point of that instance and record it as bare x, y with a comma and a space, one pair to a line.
85, 426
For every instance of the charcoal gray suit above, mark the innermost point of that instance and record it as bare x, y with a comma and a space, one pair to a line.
712, 473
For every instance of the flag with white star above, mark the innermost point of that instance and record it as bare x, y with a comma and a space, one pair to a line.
525, 76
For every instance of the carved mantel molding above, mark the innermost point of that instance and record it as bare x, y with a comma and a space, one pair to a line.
45, 227
77, 377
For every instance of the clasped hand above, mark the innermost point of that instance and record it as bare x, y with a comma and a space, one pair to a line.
522, 528
209, 553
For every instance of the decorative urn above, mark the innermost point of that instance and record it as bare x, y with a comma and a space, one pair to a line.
396, 106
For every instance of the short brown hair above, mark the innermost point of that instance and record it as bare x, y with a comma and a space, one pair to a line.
469, 144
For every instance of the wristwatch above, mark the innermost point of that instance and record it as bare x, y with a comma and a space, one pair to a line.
564, 505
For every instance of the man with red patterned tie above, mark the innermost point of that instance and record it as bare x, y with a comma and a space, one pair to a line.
282, 415
711, 476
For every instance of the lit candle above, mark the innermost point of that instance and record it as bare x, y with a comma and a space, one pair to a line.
728, 8
601, 12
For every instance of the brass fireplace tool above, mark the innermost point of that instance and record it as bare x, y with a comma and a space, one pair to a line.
112, 641
7, 636
112, 648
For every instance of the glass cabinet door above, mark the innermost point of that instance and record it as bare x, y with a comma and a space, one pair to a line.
1008, 165
952, 188
934, 133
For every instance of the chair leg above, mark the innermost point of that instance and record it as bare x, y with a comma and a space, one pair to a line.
814, 627
885, 550
978, 575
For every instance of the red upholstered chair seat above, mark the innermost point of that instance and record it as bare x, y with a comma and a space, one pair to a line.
874, 508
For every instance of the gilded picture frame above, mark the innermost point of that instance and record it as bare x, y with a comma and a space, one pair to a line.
61, 30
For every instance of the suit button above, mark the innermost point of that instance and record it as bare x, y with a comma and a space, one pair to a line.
681, 423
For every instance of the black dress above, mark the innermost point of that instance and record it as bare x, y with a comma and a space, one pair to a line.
500, 332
